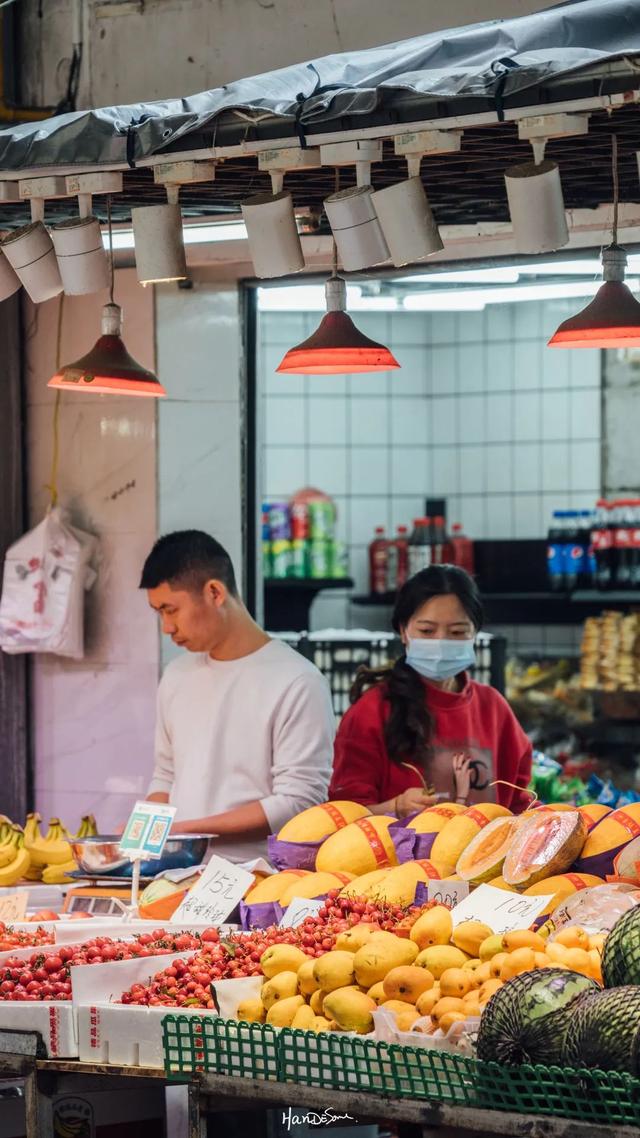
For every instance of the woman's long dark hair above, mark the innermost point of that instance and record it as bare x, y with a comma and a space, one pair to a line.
409, 728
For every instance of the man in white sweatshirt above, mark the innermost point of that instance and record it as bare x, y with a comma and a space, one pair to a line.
245, 726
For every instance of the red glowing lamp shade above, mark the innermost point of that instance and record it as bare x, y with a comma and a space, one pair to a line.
337, 346
612, 319
108, 369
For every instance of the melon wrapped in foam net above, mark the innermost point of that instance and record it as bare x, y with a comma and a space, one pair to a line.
544, 844
596, 909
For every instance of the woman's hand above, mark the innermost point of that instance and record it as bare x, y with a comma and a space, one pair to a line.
462, 776
412, 800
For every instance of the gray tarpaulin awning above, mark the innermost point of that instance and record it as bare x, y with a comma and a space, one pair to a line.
496, 64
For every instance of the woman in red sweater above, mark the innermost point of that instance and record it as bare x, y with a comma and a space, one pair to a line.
422, 730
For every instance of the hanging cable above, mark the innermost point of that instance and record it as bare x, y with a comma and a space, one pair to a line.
334, 247
111, 266
52, 486
614, 163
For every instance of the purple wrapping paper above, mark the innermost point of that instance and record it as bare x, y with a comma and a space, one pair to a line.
292, 855
261, 915
404, 841
599, 864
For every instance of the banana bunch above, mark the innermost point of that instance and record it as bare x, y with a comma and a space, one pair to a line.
53, 849
14, 858
58, 873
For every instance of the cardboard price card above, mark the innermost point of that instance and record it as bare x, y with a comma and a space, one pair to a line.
13, 906
501, 911
449, 893
298, 910
221, 887
147, 830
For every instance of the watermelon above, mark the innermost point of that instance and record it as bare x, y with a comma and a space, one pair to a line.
621, 955
604, 1032
527, 1020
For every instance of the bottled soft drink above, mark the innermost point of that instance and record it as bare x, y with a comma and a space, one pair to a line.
636, 545
441, 552
602, 541
462, 549
378, 560
398, 560
622, 542
587, 576
575, 553
420, 546
555, 551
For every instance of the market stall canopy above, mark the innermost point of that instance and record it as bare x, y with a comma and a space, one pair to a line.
480, 74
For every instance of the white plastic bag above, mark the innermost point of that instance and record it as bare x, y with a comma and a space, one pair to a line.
45, 576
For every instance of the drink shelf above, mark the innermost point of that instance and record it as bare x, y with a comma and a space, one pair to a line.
288, 600
532, 607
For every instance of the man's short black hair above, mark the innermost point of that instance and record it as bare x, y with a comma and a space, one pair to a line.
188, 558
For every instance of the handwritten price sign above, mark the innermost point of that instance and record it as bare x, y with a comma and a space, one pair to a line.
501, 911
221, 887
449, 893
298, 910
13, 906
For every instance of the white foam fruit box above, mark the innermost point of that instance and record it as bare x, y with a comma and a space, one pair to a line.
121, 1034
55, 1020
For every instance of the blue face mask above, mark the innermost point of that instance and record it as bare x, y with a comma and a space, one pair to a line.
440, 659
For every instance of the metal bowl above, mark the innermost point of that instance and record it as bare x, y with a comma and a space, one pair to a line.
101, 857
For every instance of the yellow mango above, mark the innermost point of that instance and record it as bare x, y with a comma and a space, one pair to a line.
438, 957
433, 927
469, 935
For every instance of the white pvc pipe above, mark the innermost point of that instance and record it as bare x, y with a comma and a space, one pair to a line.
274, 241
407, 222
356, 228
536, 206
82, 258
159, 243
30, 251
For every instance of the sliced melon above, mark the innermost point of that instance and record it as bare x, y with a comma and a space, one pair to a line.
546, 843
627, 862
484, 856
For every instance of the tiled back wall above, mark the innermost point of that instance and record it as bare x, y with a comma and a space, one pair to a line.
481, 412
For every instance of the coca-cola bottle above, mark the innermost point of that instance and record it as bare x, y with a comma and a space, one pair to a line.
378, 555
622, 542
420, 546
602, 542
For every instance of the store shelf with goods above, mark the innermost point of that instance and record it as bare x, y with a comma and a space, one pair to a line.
532, 607
288, 600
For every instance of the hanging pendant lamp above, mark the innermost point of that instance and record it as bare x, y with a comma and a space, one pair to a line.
612, 319
108, 369
336, 346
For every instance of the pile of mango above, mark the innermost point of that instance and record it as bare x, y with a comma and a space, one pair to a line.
446, 974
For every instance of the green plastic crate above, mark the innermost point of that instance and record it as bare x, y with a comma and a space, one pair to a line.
589, 1096
341, 1062
440, 1076
223, 1047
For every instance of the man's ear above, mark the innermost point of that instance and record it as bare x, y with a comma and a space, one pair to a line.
215, 592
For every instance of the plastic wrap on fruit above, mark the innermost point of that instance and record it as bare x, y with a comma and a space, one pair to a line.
596, 909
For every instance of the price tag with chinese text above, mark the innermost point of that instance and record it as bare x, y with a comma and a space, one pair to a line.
298, 910
501, 911
221, 887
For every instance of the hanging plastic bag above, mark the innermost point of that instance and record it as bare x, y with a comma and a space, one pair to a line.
45, 576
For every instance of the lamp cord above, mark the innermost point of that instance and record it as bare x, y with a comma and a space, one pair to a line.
111, 272
52, 486
614, 163
334, 247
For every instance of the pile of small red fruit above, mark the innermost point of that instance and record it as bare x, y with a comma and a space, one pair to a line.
187, 983
46, 976
21, 938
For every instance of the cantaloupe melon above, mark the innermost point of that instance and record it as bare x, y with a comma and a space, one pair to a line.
593, 813
318, 822
607, 839
456, 835
359, 847
366, 884
627, 862
399, 884
484, 856
314, 885
434, 818
561, 885
272, 888
161, 898
545, 843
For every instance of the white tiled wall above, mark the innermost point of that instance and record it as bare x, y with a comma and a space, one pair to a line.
481, 412
199, 423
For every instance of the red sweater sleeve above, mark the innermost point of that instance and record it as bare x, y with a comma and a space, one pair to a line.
359, 753
513, 762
